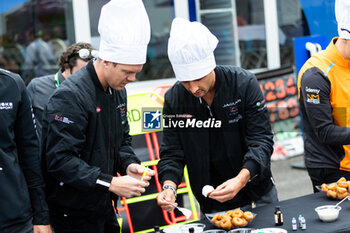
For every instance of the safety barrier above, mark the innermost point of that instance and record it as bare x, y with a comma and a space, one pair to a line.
135, 105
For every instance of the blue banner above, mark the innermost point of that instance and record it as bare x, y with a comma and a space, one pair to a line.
320, 16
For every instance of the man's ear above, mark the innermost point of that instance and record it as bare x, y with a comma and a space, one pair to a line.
106, 64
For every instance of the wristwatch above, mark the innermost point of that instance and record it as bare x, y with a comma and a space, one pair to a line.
169, 186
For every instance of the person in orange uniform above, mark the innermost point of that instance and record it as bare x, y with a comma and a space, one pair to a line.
324, 97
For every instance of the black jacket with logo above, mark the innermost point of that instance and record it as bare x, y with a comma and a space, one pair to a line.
244, 139
39, 90
22, 194
85, 138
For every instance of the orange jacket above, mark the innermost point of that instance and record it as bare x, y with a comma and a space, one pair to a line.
324, 97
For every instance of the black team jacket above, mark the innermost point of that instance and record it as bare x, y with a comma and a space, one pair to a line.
22, 191
215, 154
86, 141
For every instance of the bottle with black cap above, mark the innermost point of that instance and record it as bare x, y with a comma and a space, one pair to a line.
278, 216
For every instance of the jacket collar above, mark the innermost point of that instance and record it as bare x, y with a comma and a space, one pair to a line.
335, 56
92, 72
60, 77
218, 79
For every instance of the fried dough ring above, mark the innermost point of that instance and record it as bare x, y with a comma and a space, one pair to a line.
341, 180
331, 193
238, 222
229, 213
217, 217
248, 215
245, 222
237, 213
342, 184
226, 223
341, 190
332, 186
342, 195
324, 188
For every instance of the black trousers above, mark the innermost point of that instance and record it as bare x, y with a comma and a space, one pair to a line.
325, 175
87, 224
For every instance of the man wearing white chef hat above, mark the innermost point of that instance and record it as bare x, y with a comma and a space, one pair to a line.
226, 141
324, 87
85, 130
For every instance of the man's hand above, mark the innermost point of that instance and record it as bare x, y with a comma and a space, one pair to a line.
169, 196
136, 171
229, 189
127, 186
42, 229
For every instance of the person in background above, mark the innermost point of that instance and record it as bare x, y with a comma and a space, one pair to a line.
40, 89
22, 195
323, 92
226, 141
39, 59
85, 129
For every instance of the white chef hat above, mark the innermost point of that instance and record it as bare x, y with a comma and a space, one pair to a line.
342, 14
191, 49
125, 32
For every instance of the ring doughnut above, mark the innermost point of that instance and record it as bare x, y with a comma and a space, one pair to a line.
341, 180
229, 213
331, 193
332, 186
217, 217
245, 222
226, 223
343, 184
237, 213
248, 215
342, 195
238, 222
324, 188
342, 190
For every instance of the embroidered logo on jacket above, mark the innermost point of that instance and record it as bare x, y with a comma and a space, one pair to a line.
312, 98
6, 105
63, 119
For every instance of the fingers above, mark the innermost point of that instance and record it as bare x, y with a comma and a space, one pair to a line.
223, 194
135, 192
223, 198
127, 186
163, 202
150, 172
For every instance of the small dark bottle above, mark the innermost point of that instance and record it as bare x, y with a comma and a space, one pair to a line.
191, 230
278, 216
156, 229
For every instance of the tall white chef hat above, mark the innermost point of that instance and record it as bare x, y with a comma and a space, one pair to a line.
342, 14
191, 49
125, 32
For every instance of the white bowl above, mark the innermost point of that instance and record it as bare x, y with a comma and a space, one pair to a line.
198, 227
241, 230
328, 213
172, 229
215, 231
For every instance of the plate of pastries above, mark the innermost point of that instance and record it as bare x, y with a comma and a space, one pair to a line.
231, 219
336, 190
